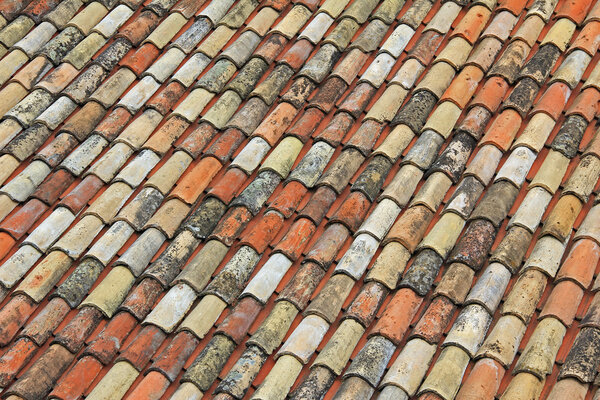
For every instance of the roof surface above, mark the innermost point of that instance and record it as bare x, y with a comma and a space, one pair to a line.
317, 199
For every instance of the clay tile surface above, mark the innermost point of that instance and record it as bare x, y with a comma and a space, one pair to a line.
303, 199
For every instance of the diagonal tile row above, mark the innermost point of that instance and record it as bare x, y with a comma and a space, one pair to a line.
195, 240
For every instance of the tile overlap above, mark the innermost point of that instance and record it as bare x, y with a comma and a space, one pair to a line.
305, 199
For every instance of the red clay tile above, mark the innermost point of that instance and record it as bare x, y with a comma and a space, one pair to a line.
472, 24
366, 135
581, 262
304, 110
585, 104
503, 129
271, 47
231, 225
575, 10
171, 360
276, 123
139, 60
297, 55
143, 347
83, 122
193, 183
331, 241
514, 6
306, 124
42, 375
553, 101
46, 321
475, 121
166, 98
18, 224
263, 232
108, 342
295, 240
358, 99
226, 145
329, 93
337, 128
276, 4
434, 321
288, 200
462, 88
151, 387
77, 380
483, 382
410, 227
112, 125
139, 29
588, 39
160, 142
475, 244
54, 186
6, 243
79, 197
15, 358
79, 328
197, 139
563, 302
228, 186
11, 9
426, 46
141, 299
13, 315
584, 306
350, 70
238, 322
299, 290
319, 204
491, 94
592, 314
352, 211
57, 150
366, 304
397, 316
188, 8
37, 9
567, 343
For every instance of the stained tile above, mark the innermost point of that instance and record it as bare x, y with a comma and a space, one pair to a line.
108, 93
444, 379
123, 119
16, 30
371, 361
540, 351
83, 52
511, 250
503, 341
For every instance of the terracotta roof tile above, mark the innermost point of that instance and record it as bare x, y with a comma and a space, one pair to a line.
109, 160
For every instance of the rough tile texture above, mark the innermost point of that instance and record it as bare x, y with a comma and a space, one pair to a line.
305, 199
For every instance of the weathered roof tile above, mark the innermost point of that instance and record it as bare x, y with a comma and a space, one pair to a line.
158, 156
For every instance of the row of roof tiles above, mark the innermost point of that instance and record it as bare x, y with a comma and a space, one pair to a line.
117, 297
